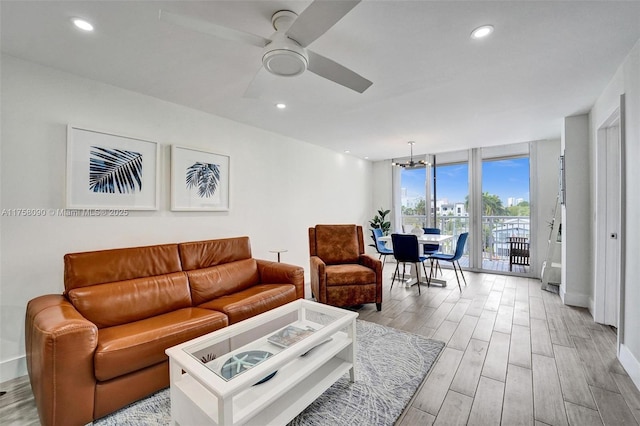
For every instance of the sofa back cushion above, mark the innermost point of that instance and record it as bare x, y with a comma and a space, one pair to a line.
336, 244
122, 302
221, 280
203, 254
107, 266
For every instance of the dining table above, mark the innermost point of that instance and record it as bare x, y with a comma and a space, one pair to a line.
422, 239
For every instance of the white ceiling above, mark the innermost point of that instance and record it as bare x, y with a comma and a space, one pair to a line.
431, 82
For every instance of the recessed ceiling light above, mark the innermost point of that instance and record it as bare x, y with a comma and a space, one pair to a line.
281, 106
482, 31
346, 151
82, 24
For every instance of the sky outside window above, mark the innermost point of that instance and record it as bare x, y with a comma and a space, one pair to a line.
504, 178
452, 182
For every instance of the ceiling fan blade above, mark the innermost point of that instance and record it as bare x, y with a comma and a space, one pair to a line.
261, 80
331, 70
215, 30
317, 18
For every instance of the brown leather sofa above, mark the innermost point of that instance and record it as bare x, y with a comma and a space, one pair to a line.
101, 345
341, 273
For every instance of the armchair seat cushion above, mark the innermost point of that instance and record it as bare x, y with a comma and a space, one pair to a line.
349, 274
136, 345
252, 301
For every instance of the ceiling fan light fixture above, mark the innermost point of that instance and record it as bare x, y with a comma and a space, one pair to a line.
284, 62
284, 57
482, 32
82, 24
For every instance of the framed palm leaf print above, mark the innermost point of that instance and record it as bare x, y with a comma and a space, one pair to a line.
199, 180
108, 171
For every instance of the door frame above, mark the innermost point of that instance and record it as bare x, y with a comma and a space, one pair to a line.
616, 118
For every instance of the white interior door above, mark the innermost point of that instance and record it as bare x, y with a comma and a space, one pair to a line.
608, 244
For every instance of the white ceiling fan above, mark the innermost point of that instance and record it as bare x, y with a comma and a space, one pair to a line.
285, 52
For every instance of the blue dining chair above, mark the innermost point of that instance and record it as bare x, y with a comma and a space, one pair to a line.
406, 250
453, 258
429, 249
380, 246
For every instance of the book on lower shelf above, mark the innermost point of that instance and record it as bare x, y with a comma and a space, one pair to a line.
289, 335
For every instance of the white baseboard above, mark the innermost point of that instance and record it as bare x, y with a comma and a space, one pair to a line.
13, 368
631, 364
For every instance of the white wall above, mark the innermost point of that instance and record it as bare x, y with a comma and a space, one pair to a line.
279, 186
382, 184
626, 81
575, 289
544, 187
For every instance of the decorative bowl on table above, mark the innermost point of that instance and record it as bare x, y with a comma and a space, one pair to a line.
418, 232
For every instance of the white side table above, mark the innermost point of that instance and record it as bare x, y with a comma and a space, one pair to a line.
278, 251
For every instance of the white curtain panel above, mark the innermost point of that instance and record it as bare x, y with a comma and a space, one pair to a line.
396, 200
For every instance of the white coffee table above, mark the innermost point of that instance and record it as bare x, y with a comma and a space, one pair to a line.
201, 394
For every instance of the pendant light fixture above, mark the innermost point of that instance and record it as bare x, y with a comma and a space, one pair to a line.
410, 163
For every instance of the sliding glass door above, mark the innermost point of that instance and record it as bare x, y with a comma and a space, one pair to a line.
505, 214
452, 195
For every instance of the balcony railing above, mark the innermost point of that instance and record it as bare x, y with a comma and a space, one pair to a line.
496, 231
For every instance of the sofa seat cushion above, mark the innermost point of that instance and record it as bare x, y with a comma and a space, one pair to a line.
349, 274
131, 347
252, 301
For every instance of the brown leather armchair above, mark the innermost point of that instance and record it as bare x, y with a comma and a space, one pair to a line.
341, 274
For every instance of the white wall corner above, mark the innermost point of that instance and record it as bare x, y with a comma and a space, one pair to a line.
12, 368
631, 364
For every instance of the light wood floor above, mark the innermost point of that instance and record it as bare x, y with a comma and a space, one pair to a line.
514, 355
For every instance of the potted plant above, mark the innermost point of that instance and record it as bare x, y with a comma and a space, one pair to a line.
379, 221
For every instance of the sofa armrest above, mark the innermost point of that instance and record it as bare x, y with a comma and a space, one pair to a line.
60, 345
282, 273
318, 279
373, 263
